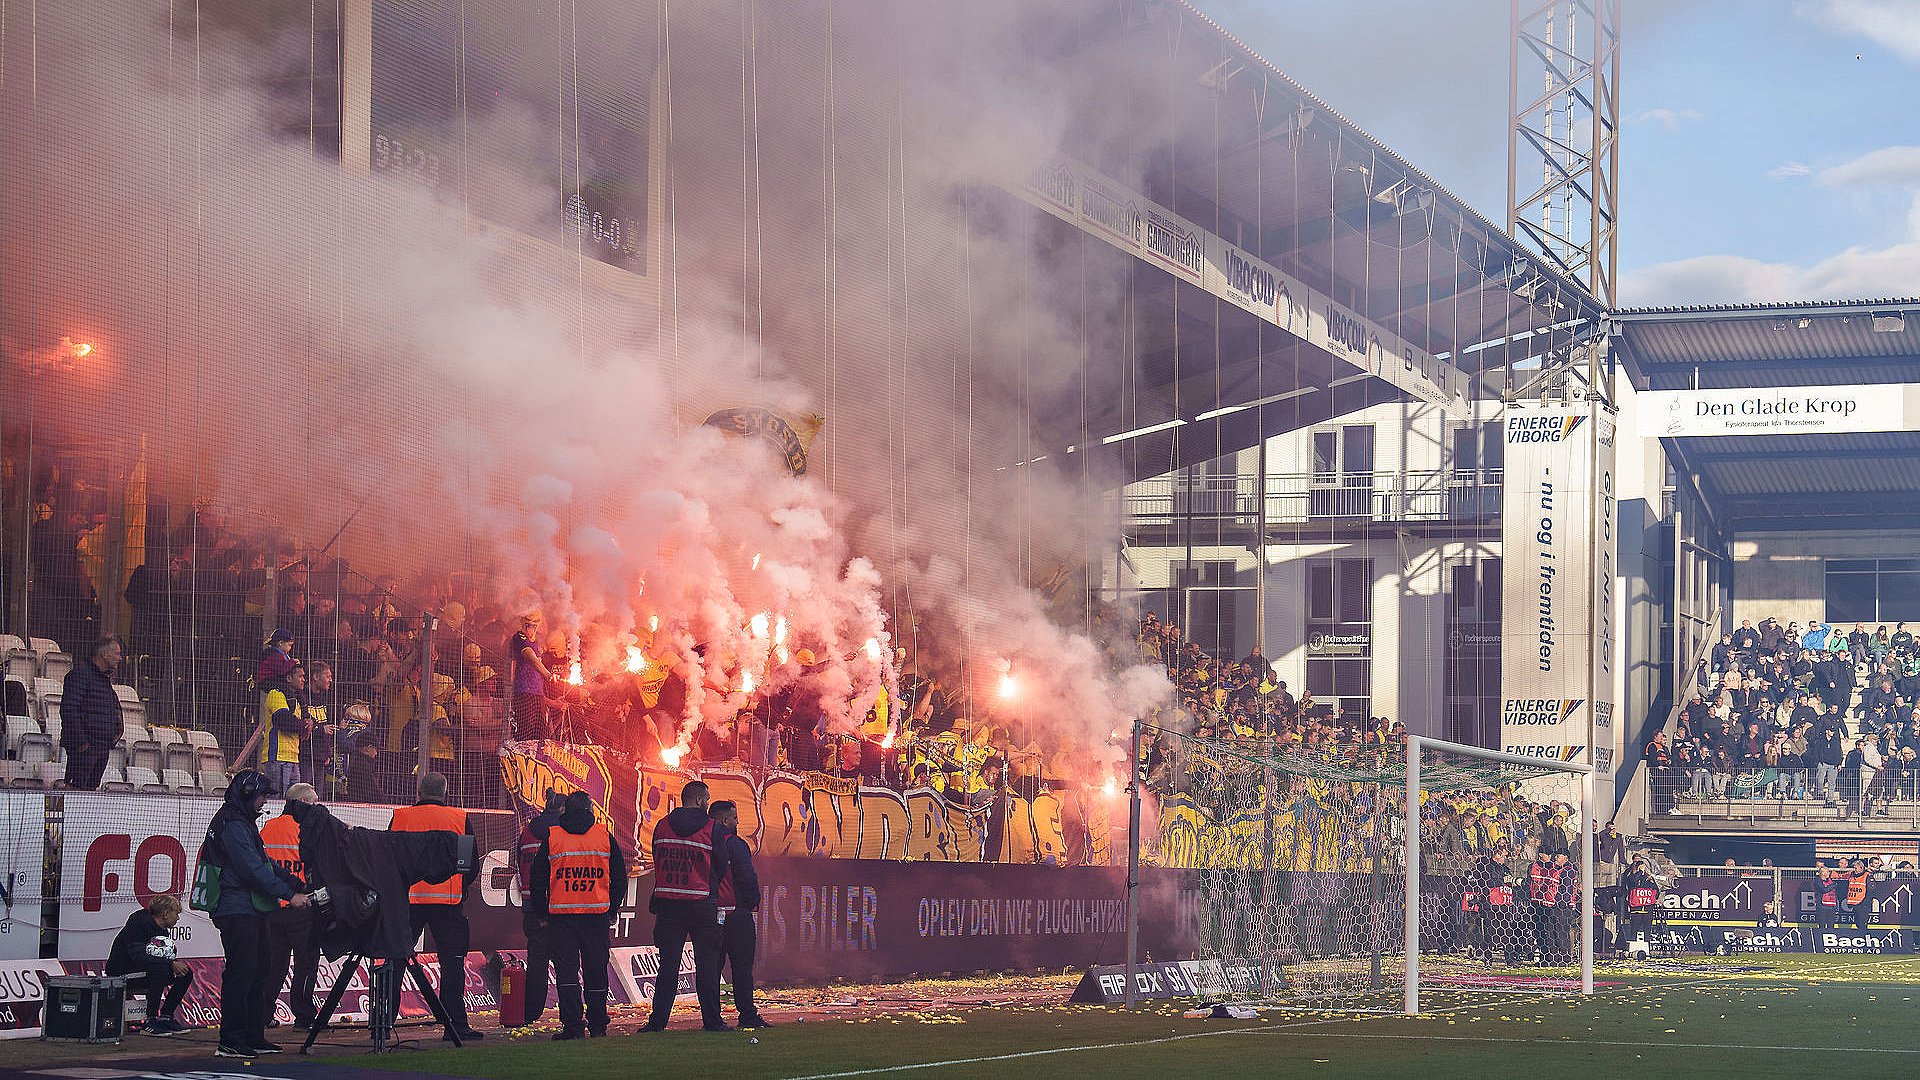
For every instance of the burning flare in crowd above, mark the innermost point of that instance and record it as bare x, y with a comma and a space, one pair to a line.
574, 676
636, 660
759, 623
873, 649
671, 757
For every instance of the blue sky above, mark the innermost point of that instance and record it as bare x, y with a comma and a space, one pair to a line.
1770, 149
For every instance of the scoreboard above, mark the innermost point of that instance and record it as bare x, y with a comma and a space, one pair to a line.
534, 114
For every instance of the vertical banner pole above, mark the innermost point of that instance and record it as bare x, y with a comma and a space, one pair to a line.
1268, 984
1133, 869
1412, 919
1586, 883
424, 715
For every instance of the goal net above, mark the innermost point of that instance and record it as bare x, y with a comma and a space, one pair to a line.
1295, 863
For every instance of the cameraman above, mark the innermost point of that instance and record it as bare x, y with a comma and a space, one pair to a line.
249, 885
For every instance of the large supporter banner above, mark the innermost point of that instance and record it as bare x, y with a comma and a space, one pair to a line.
822, 917
820, 816
1106, 209
1778, 410
1557, 549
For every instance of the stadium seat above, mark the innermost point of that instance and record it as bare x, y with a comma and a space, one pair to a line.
144, 754
132, 710
201, 740
181, 781
113, 780
209, 758
166, 736
20, 660
180, 756
213, 782
143, 779
51, 662
36, 748
131, 733
13, 773
117, 758
51, 772
46, 694
18, 728
50, 717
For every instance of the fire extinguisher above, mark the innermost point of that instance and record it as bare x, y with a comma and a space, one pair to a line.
513, 992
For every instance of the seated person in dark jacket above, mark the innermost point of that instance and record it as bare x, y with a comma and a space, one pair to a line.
143, 947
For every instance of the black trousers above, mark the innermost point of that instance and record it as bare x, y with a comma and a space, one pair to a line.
737, 943
163, 988
450, 943
85, 768
539, 955
580, 947
290, 946
243, 939
675, 923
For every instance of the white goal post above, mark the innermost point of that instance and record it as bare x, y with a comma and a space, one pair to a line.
1418, 750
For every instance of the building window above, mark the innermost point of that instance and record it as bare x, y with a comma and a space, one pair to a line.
1473, 653
1340, 636
1873, 591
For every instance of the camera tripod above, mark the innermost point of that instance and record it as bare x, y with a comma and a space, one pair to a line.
384, 1010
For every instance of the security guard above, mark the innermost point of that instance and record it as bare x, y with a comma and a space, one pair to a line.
688, 864
579, 884
436, 905
290, 939
532, 922
738, 898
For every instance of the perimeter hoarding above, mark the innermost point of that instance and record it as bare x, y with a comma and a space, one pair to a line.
1558, 544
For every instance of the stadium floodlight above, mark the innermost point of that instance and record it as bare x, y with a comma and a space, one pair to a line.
1357, 878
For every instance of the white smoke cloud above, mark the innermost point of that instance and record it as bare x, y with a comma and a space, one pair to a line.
293, 336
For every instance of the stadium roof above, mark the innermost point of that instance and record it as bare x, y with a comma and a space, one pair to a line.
1257, 157
1786, 482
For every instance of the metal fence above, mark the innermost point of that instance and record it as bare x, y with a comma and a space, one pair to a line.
1433, 495
1783, 799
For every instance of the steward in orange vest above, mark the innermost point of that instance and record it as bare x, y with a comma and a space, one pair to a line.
436, 905
291, 942
579, 881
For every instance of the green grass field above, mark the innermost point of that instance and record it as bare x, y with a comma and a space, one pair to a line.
1852, 1016
1786, 1016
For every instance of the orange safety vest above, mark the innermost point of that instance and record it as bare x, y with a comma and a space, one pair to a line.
1545, 880
1857, 887
579, 871
432, 817
281, 837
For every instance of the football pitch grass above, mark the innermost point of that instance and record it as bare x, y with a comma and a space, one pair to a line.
1745, 1017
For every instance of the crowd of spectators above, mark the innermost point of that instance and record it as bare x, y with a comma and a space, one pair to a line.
1778, 712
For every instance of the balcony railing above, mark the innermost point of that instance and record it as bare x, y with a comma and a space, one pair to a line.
1782, 800
1470, 496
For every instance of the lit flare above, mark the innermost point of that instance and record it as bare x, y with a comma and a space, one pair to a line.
636, 660
574, 675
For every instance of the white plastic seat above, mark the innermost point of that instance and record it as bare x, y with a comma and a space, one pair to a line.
131, 733
18, 728
180, 781
51, 662
201, 740
117, 759
36, 749
213, 781
144, 754
166, 736
13, 773
141, 778
20, 660
180, 756
114, 780
210, 759
50, 718
51, 772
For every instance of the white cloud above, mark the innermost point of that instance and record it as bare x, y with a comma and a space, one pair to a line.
1668, 119
1789, 170
1892, 166
1856, 273
1892, 24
